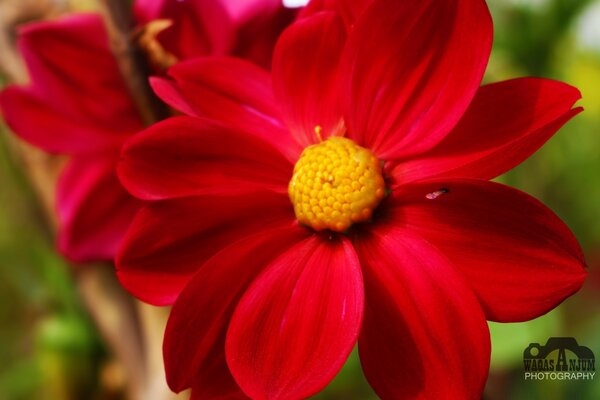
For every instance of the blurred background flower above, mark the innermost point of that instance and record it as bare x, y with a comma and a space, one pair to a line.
49, 347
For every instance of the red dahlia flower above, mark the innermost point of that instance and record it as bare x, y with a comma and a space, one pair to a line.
351, 203
79, 105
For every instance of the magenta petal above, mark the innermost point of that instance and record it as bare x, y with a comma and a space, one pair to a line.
94, 210
185, 156
194, 344
247, 28
169, 240
505, 124
260, 23
67, 109
199, 27
244, 11
350, 10
424, 334
412, 68
305, 76
297, 323
60, 55
244, 28
147, 10
48, 126
518, 256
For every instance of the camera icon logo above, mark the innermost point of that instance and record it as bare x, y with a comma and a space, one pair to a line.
559, 354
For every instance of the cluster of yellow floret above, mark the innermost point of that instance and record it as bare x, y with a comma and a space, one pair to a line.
336, 183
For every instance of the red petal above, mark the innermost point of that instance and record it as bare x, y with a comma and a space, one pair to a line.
222, 387
147, 10
238, 80
94, 210
168, 241
350, 10
305, 76
247, 29
194, 344
244, 11
505, 124
260, 28
296, 325
413, 67
424, 334
60, 55
519, 257
44, 124
199, 27
170, 93
230, 90
186, 156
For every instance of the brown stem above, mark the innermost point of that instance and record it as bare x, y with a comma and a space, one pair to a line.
132, 62
135, 69
113, 311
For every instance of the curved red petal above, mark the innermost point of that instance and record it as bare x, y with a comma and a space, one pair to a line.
229, 90
296, 325
424, 334
237, 80
305, 76
350, 10
147, 10
60, 55
94, 210
222, 387
259, 27
169, 92
247, 29
45, 125
194, 344
186, 156
519, 257
506, 123
169, 240
412, 69
199, 28
244, 11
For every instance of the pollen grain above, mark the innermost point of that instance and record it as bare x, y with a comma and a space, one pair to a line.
335, 184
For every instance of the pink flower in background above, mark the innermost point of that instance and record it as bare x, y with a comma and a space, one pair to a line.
346, 198
243, 28
78, 104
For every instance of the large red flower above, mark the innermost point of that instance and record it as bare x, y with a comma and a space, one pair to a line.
409, 258
78, 104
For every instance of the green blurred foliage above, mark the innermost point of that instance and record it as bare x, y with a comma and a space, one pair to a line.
49, 349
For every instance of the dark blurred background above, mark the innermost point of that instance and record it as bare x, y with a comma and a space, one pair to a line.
49, 349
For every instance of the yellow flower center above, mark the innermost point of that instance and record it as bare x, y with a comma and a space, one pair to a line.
336, 183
